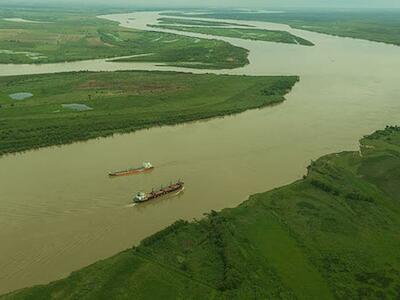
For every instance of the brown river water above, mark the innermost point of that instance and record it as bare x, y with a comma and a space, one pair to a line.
59, 211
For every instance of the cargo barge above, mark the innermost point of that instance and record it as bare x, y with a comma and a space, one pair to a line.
173, 187
145, 168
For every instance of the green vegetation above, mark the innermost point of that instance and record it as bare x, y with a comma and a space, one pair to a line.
174, 21
332, 235
181, 51
244, 33
378, 26
122, 102
59, 36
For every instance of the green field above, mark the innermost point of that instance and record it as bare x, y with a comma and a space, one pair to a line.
378, 25
58, 36
122, 102
244, 33
332, 235
181, 51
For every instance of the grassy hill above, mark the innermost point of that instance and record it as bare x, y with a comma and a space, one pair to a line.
117, 102
332, 235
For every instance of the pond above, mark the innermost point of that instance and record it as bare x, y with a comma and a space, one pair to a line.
20, 96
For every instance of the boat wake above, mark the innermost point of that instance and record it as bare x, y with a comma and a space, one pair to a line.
180, 191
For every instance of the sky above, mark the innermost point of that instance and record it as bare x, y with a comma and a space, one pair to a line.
228, 3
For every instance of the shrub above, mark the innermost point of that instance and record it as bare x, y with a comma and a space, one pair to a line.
325, 187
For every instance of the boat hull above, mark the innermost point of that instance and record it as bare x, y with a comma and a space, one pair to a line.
175, 188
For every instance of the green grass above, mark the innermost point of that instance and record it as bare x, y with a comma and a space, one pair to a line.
332, 235
60, 36
378, 25
181, 51
122, 102
244, 33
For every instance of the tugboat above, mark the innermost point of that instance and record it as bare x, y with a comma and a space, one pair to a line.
173, 187
145, 168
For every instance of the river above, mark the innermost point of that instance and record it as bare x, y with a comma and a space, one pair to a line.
59, 211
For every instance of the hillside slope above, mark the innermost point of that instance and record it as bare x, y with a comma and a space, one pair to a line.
334, 234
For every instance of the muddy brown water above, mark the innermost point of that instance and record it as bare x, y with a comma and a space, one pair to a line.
59, 211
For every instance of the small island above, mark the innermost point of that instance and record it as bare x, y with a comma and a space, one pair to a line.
78, 106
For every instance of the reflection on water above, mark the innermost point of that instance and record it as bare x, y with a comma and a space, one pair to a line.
59, 210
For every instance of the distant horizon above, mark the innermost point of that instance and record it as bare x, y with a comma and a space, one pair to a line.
213, 4
210, 8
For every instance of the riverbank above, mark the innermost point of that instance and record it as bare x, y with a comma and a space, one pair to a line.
108, 103
242, 33
372, 25
64, 35
331, 235
73, 210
